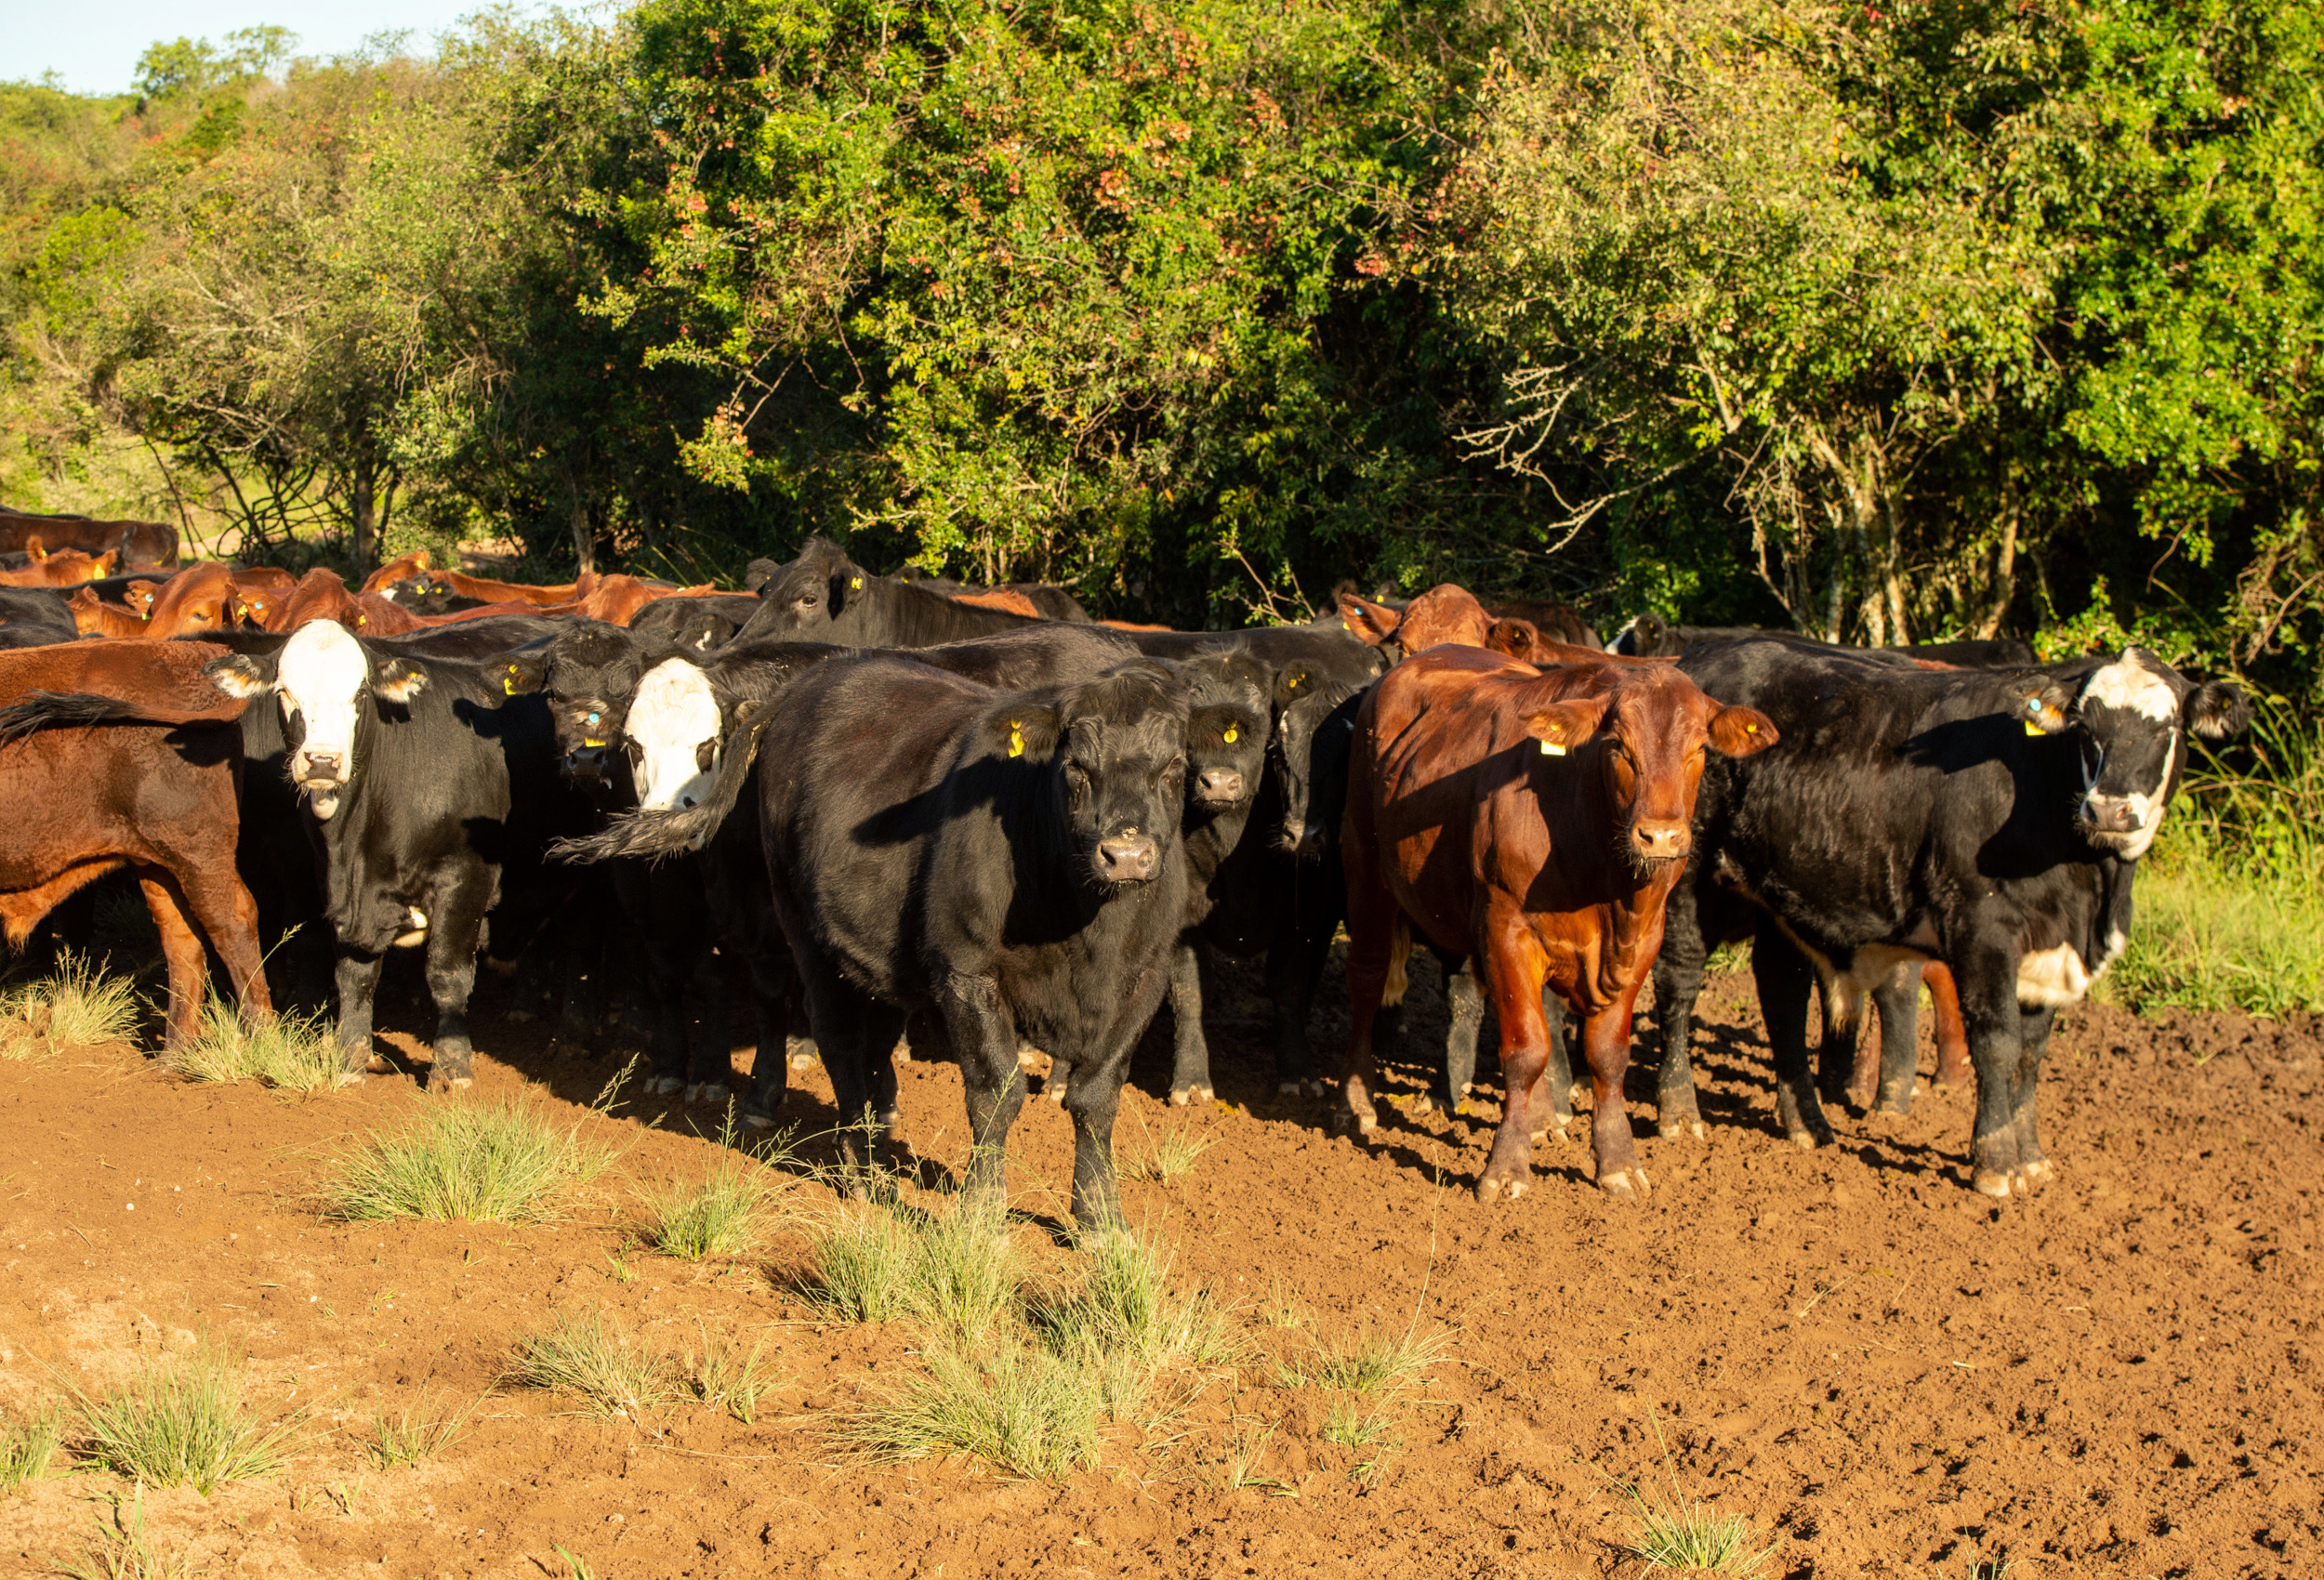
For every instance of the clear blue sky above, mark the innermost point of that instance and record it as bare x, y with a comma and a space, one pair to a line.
94, 44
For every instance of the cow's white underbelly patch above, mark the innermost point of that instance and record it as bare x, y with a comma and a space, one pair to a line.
2048, 979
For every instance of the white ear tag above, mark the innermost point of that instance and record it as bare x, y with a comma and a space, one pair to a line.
1552, 749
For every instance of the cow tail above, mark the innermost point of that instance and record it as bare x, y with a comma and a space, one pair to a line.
51, 710
655, 836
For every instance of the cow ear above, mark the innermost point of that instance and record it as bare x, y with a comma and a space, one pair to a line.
1371, 623
1741, 732
1560, 726
1224, 724
2042, 704
34, 549
756, 573
399, 680
2216, 709
105, 563
1025, 729
524, 675
240, 675
1296, 681
1514, 637
82, 597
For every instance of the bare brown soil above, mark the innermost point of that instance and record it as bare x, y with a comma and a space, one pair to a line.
1887, 1373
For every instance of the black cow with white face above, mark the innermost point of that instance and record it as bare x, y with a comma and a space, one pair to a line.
1008, 861
425, 794
1991, 819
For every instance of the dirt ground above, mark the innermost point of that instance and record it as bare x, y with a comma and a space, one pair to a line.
1889, 1374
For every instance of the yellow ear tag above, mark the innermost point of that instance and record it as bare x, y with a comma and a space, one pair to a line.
1016, 740
1552, 749
2033, 706
1292, 684
588, 742
509, 684
2033, 728
855, 583
1750, 729
1232, 733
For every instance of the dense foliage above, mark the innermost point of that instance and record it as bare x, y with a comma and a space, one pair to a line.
1884, 322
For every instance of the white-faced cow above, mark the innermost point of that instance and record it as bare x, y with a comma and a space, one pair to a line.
1991, 819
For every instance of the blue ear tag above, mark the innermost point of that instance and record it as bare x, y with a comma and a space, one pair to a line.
2033, 706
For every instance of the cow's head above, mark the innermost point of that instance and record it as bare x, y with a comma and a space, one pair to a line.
676, 726
201, 597
1446, 613
1226, 730
808, 593
322, 677
592, 675
1645, 637
1314, 726
1115, 752
1646, 735
2129, 718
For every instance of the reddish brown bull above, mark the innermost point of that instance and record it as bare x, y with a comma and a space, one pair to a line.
123, 754
197, 600
1443, 614
1009, 598
412, 567
92, 616
1534, 819
145, 542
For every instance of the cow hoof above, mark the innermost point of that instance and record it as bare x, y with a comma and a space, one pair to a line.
1679, 1130
802, 1061
1626, 1182
754, 1121
450, 1083
1496, 1188
374, 1066
2039, 1172
351, 1077
1991, 1182
1291, 1089
1181, 1097
664, 1087
713, 1092
1423, 1104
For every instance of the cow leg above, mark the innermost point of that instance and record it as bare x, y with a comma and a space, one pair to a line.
1513, 973
984, 1037
773, 985
1376, 928
229, 917
1836, 1056
454, 935
1465, 1002
1095, 1100
1677, 983
181, 946
1989, 1012
1190, 1065
1785, 980
357, 981
1605, 1038
1550, 1106
1898, 1000
2033, 1167
1295, 965
1952, 1038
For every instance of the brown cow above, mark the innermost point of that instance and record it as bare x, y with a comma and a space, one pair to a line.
1535, 821
487, 591
92, 616
123, 754
412, 567
197, 600
1445, 613
1009, 598
322, 595
145, 542
65, 568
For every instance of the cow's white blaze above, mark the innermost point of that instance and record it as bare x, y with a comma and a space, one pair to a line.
322, 672
2048, 979
673, 715
2146, 807
2126, 683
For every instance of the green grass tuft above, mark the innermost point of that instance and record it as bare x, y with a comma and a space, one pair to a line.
724, 1214
964, 1271
291, 1053
81, 1006
411, 1437
1024, 1410
25, 1450
724, 1377
1692, 1537
1165, 1155
860, 1264
125, 1551
581, 1354
1372, 1363
181, 1421
484, 1163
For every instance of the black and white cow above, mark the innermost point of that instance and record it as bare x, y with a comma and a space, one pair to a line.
1988, 819
427, 796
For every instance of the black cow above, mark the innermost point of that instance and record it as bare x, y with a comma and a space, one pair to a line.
1649, 637
1053, 601
1991, 819
427, 795
33, 617
697, 624
824, 597
1007, 861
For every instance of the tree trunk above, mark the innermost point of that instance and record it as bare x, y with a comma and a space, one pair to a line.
2004, 586
584, 536
363, 500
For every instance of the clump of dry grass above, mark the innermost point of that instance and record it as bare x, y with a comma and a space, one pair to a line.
480, 1161
581, 1354
80, 1005
181, 1420
290, 1053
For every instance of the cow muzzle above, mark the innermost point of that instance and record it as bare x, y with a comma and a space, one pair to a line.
1129, 857
1655, 840
2124, 825
1219, 787
322, 777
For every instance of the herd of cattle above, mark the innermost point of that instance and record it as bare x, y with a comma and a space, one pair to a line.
979, 812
